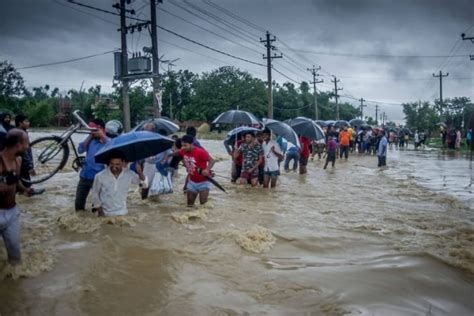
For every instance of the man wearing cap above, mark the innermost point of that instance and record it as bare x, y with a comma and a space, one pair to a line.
91, 145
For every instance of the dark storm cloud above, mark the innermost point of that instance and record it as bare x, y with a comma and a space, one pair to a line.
38, 31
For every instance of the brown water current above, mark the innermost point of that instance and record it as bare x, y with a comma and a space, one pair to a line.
350, 241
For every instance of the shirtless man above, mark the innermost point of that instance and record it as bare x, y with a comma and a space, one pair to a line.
16, 143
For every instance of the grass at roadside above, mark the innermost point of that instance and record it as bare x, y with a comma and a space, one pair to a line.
436, 143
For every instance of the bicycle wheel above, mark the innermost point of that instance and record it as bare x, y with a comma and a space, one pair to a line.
49, 156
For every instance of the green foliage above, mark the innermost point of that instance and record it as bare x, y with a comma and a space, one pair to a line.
224, 89
40, 113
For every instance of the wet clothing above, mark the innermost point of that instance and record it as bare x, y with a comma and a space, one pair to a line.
9, 178
271, 159
10, 231
382, 152
197, 187
305, 143
90, 167
344, 138
194, 160
331, 153
251, 155
88, 171
27, 165
9, 212
110, 192
292, 154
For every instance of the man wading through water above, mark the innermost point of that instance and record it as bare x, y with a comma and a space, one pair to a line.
16, 144
252, 153
198, 163
272, 153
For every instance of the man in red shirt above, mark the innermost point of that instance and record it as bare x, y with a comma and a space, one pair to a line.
198, 164
304, 153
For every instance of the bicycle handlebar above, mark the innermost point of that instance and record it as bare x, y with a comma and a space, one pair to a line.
80, 120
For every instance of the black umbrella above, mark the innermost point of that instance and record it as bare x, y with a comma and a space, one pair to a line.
161, 124
134, 146
321, 123
341, 123
236, 117
357, 122
239, 130
305, 127
282, 129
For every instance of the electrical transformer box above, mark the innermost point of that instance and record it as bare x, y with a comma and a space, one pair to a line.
139, 64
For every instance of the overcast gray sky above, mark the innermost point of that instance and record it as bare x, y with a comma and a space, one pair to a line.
347, 38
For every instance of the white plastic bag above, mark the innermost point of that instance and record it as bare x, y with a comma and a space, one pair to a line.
161, 184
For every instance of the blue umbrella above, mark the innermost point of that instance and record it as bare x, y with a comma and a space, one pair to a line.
330, 122
134, 146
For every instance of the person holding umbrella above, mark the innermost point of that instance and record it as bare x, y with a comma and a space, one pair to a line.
273, 154
111, 186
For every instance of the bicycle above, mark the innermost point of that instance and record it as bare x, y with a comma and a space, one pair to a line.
51, 153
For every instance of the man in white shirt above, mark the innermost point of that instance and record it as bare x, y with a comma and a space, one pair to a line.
111, 186
272, 153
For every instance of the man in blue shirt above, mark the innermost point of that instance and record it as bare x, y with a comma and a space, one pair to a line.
382, 150
91, 145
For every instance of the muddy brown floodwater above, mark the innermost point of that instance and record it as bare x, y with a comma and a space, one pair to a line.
349, 241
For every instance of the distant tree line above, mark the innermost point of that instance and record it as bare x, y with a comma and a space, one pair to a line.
190, 96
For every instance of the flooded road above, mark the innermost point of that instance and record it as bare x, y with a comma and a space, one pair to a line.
354, 240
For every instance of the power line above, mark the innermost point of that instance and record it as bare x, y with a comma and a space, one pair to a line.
204, 55
235, 16
208, 47
284, 75
207, 30
67, 60
251, 41
371, 55
217, 18
178, 35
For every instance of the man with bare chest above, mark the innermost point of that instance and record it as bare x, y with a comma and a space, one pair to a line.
16, 143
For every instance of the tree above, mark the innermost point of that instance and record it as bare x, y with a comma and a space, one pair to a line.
224, 89
12, 85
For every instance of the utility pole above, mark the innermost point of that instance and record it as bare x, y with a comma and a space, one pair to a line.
440, 76
156, 68
470, 38
362, 105
336, 89
314, 71
124, 64
376, 114
268, 44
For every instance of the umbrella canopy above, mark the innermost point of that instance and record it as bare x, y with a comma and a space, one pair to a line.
236, 117
161, 124
357, 122
330, 122
366, 127
134, 146
282, 129
406, 130
306, 127
442, 124
239, 130
321, 123
341, 123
